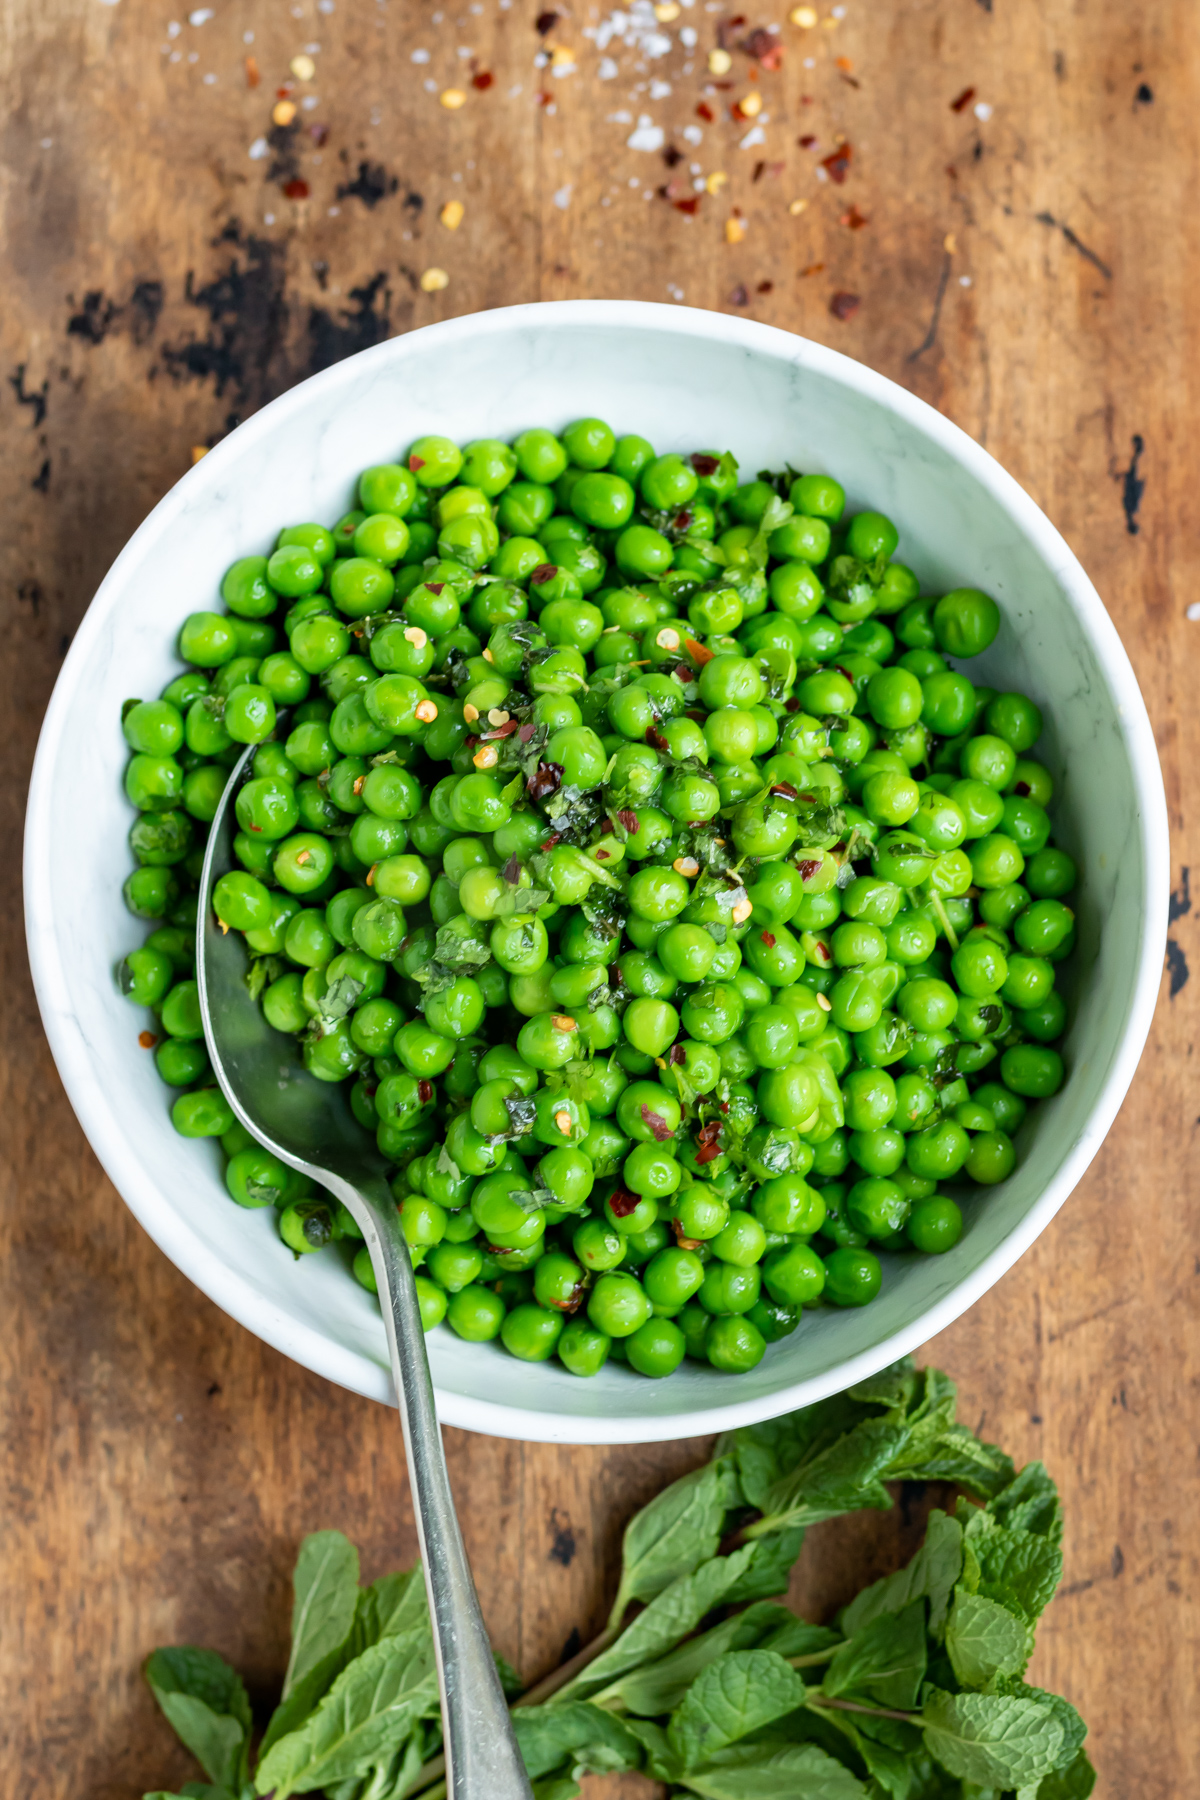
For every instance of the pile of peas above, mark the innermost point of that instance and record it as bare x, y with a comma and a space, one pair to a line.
680, 914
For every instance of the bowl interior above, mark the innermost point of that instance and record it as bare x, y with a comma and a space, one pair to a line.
685, 380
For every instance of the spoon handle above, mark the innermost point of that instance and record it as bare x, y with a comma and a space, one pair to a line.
482, 1758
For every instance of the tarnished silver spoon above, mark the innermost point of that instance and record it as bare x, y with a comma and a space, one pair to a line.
308, 1125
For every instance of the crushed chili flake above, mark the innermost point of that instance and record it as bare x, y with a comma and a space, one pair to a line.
623, 1202
512, 869
605, 827
434, 587
256, 827
415, 463
758, 169
963, 101
359, 785
843, 305
704, 111
575, 1301
1023, 788
853, 219
768, 938
296, 189
685, 1243
603, 855
545, 21
545, 780
951, 171
371, 874
759, 44
837, 164
526, 732
785, 790
772, 62
809, 141
699, 653
808, 867
424, 1092
844, 63
147, 1040
554, 838
655, 738
319, 134
690, 206
252, 75
739, 296
482, 80
765, 287
708, 1142
656, 1124
812, 269
544, 572
677, 1055
671, 156
501, 731
705, 465
629, 820
563, 1022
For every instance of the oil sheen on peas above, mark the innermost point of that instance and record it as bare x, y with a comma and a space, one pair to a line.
684, 922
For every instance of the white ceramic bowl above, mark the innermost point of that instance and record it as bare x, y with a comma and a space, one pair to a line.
686, 380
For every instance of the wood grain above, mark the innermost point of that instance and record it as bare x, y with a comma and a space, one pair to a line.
1030, 273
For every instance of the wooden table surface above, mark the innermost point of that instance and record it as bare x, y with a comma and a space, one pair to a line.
1017, 222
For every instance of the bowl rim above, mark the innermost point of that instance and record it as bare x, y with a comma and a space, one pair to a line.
305, 1342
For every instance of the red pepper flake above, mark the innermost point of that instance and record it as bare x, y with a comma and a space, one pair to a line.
759, 44
252, 75
546, 780
526, 733
808, 868
809, 141
704, 111
256, 828
739, 296
630, 821
844, 64
684, 673
685, 1243
554, 838
415, 463
772, 60
434, 587
545, 22
682, 520
812, 269
483, 80
671, 156
951, 171
147, 1040
705, 465
854, 220
544, 572
575, 1301
281, 93
698, 653
677, 1055
603, 855
501, 731
768, 938
850, 80
542, 97
724, 1105
622, 1202
297, 189
605, 827
656, 1125
837, 164
843, 305
1023, 788
758, 170
785, 790
964, 100
708, 1142
690, 206
655, 738
424, 1092
765, 287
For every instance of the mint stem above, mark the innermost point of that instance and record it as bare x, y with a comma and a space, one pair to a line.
819, 1701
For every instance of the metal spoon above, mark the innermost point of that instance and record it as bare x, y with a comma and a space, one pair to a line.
308, 1125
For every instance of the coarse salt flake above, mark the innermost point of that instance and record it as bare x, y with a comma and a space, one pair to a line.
648, 136
608, 69
659, 90
420, 56
756, 136
258, 149
562, 197
201, 16
983, 111
692, 134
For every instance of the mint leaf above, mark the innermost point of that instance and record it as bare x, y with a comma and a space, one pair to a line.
983, 1640
765, 1453
205, 1701
793, 1772
659, 1686
583, 1737
679, 1529
739, 1693
846, 1477
933, 1572
1072, 1783
770, 1568
1030, 1503
324, 1608
1018, 1568
670, 1616
389, 1607
884, 1662
367, 1714
996, 1740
